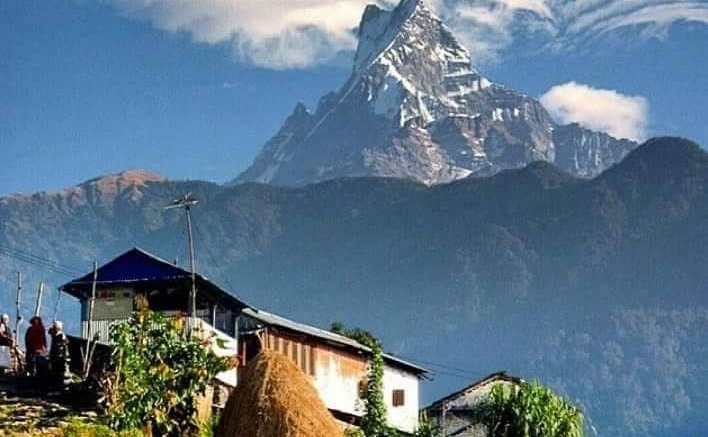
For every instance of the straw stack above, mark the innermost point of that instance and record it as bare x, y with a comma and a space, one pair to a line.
274, 399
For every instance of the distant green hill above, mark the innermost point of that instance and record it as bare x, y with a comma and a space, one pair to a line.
599, 287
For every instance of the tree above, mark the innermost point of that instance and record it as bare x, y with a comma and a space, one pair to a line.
157, 373
530, 410
361, 335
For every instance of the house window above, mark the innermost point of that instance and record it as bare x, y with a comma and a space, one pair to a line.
399, 398
295, 347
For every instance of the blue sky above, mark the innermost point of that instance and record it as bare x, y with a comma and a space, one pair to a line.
193, 89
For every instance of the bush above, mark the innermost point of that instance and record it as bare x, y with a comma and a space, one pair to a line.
530, 410
79, 429
427, 427
157, 373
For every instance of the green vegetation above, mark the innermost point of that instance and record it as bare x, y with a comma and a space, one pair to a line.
530, 410
158, 373
81, 429
361, 335
373, 424
75, 428
427, 427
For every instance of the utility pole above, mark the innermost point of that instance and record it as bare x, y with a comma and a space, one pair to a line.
38, 303
18, 304
186, 202
91, 338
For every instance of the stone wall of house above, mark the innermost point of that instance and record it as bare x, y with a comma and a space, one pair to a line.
460, 418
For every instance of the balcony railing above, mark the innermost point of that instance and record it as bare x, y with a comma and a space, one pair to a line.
221, 343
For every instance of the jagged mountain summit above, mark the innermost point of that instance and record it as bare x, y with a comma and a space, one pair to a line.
415, 107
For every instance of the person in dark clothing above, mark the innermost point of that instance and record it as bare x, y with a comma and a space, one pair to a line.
58, 352
35, 345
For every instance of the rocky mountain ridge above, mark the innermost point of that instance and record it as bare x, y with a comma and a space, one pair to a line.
414, 107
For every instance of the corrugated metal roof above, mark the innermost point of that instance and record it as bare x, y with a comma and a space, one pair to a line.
497, 376
278, 321
136, 266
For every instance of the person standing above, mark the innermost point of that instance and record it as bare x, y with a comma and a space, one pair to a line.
6, 363
5, 332
35, 345
58, 352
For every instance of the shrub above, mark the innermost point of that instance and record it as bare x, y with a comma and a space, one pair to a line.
80, 429
530, 410
427, 427
157, 372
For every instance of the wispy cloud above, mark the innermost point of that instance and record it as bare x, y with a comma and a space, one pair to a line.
489, 27
268, 33
302, 33
620, 115
598, 17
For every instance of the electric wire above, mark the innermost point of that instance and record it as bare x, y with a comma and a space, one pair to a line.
39, 261
210, 254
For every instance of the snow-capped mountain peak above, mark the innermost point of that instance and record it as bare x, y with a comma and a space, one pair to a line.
415, 107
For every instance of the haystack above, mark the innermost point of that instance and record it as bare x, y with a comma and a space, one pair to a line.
274, 399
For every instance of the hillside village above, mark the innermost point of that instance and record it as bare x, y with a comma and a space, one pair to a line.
336, 366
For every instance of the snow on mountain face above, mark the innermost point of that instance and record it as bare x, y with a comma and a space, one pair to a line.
586, 153
414, 107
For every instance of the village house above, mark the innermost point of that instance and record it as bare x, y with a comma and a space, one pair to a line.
457, 414
336, 365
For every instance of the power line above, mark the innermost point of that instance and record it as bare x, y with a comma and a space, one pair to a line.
444, 369
210, 255
39, 261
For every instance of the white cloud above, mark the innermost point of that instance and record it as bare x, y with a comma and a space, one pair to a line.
268, 33
486, 27
620, 115
659, 16
489, 27
302, 33
601, 16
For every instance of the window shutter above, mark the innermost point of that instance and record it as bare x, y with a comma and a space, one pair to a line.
398, 398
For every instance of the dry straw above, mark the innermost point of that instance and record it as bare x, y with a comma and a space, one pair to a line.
275, 399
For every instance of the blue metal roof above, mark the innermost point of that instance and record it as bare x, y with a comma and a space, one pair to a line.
133, 265
137, 265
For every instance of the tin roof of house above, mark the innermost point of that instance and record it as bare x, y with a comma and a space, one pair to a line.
497, 376
139, 266
330, 337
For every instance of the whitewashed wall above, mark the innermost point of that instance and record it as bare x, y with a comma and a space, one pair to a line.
337, 379
404, 417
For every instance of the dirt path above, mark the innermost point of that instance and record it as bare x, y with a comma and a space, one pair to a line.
29, 409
